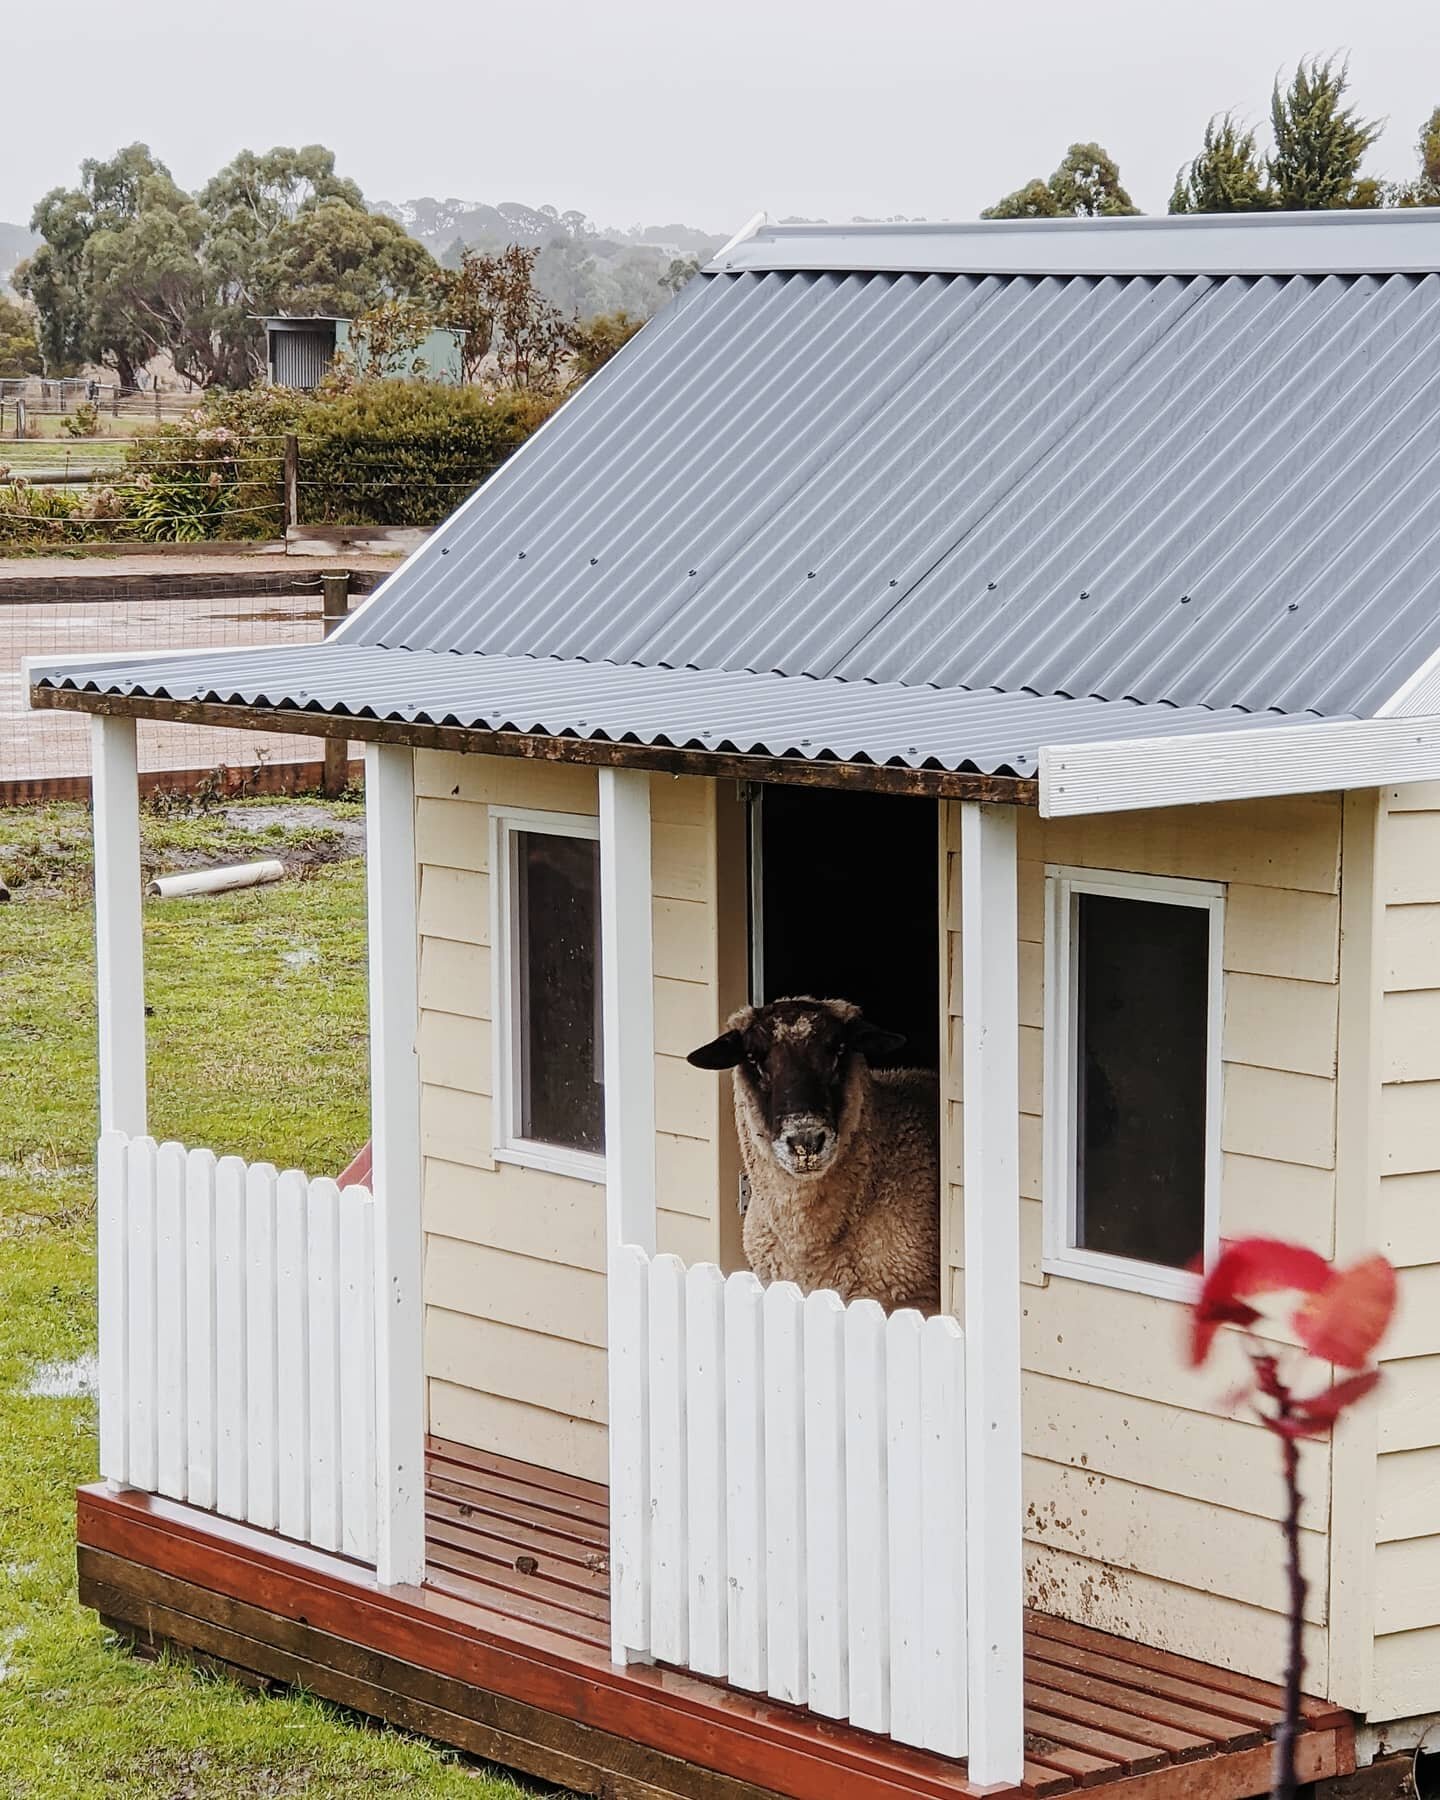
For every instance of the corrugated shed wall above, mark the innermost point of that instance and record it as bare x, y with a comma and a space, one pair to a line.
300, 358
1149, 1510
1198, 490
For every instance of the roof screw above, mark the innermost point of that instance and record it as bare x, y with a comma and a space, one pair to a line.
1085, 593
593, 561
694, 571
444, 549
520, 556
1184, 599
1294, 606
894, 581
810, 575
992, 585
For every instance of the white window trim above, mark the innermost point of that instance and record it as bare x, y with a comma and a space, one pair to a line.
509, 1145
1060, 1253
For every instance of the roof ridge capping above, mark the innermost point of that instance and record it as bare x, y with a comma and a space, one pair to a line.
1315, 243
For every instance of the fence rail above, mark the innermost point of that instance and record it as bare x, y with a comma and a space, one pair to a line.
788, 1499
237, 1352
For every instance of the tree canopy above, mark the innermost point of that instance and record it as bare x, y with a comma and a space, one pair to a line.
1087, 185
131, 265
19, 347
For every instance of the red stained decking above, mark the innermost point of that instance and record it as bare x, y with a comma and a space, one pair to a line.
505, 1653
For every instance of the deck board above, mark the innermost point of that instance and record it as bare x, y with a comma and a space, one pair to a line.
507, 1645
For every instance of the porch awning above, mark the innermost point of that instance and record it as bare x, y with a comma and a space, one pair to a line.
736, 711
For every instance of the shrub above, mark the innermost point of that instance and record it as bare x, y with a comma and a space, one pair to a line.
84, 422
33, 517
407, 452
215, 473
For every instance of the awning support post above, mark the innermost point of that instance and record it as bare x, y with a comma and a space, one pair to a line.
991, 1059
394, 947
119, 943
627, 964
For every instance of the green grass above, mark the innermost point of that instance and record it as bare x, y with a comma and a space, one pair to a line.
54, 451
257, 1046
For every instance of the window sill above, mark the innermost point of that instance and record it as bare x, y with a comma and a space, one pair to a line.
1131, 1277
552, 1159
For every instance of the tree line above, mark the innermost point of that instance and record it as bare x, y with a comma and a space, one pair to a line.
131, 266
1318, 142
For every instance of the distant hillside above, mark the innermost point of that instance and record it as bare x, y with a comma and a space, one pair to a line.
582, 267
16, 243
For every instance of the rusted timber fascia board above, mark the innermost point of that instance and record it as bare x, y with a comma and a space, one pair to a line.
878, 778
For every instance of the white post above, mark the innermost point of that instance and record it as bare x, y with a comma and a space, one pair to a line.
395, 1162
119, 949
990, 1002
627, 967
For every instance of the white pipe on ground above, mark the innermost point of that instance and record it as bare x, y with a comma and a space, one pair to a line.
215, 881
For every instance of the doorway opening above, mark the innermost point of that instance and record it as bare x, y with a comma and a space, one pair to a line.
845, 905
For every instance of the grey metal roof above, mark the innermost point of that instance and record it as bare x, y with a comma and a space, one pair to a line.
1334, 243
771, 715
1187, 489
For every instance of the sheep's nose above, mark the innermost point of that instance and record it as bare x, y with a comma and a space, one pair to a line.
809, 1142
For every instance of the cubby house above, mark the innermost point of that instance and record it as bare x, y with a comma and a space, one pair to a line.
1029, 632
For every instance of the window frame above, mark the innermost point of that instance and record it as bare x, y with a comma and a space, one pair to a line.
1060, 1253
509, 1144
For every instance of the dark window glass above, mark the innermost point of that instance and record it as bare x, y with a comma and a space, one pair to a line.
557, 912
1142, 996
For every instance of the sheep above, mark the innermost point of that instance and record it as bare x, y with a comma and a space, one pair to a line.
843, 1162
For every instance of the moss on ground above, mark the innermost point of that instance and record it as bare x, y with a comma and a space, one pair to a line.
257, 1046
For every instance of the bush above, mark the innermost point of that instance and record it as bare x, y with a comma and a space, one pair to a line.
84, 422
31, 517
217, 472
407, 452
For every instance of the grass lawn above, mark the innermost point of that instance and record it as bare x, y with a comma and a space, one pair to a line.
55, 452
257, 1046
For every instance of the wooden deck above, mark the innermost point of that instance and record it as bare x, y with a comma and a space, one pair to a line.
505, 1653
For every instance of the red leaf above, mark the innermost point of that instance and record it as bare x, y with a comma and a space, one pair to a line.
1324, 1409
1245, 1267
1346, 1320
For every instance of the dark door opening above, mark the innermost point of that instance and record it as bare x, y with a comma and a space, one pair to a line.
845, 906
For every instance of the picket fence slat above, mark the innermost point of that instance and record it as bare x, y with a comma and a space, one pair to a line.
799, 1464
705, 1467
170, 1319
903, 1334
140, 1253
230, 1477
111, 1233
826, 1611
200, 1339
784, 1402
669, 1609
292, 1409
261, 1375
867, 1572
942, 1471
237, 1340
325, 1471
745, 1483
357, 1373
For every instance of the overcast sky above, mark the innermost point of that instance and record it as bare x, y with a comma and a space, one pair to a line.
660, 110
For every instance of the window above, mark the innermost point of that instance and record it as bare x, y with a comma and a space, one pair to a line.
1132, 1102
550, 1082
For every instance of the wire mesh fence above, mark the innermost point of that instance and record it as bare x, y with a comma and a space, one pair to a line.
43, 747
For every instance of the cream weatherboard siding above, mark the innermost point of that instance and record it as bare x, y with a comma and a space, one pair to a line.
1149, 1510
514, 1282
1406, 1675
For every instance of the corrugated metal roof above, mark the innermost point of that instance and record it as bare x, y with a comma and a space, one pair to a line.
1197, 490
1326, 243
767, 715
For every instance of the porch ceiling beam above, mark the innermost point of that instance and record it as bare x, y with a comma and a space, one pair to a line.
395, 1162
119, 942
627, 974
880, 778
1237, 765
990, 1073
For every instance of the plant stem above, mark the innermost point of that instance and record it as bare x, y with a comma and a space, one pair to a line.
1284, 1780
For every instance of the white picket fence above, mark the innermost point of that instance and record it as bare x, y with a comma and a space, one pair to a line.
237, 1348
788, 1495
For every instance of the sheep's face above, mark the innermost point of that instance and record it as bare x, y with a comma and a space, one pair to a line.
793, 1062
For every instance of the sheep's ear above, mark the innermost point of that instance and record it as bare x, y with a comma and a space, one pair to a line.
870, 1041
723, 1053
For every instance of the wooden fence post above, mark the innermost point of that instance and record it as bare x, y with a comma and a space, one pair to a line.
290, 485
334, 610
